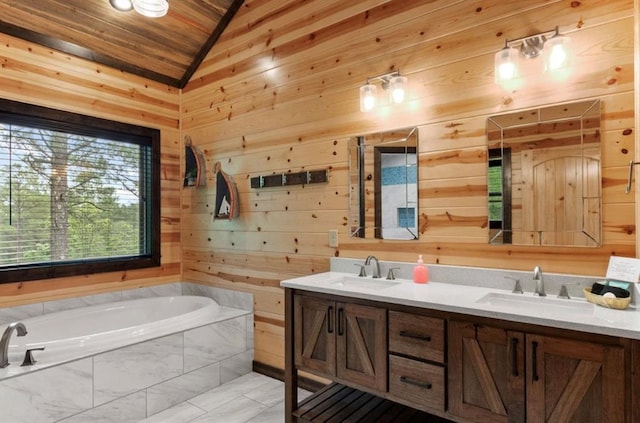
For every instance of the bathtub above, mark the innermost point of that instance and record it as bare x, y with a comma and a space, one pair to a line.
101, 359
72, 334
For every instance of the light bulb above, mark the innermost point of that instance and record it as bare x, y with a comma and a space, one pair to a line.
506, 71
368, 94
556, 53
506, 64
396, 87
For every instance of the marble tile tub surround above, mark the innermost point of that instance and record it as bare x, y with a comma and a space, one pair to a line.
139, 380
225, 297
478, 276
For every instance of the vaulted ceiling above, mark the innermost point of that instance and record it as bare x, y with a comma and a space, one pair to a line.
167, 49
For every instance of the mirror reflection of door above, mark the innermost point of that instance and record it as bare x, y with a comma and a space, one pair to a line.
396, 192
544, 176
558, 178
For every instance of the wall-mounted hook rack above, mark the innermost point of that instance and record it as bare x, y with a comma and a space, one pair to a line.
286, 179
630, 177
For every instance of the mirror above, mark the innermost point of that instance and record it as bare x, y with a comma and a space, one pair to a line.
544, 176
383, 175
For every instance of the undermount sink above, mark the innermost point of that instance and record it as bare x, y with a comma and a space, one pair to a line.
535, 304
354, 282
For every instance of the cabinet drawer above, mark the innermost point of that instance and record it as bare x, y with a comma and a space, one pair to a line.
419, 384
416, 336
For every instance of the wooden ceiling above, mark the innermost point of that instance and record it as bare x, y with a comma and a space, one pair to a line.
167, 49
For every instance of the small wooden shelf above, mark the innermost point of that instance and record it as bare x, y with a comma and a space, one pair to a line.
338, 403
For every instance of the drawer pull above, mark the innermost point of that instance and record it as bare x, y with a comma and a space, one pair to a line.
407, 334
414, 382
340, 322
534, 358
514, 358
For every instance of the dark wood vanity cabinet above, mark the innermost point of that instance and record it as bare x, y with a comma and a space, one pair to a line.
453, 366
341, 340
497, 375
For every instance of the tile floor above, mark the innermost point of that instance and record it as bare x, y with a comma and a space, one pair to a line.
252, 398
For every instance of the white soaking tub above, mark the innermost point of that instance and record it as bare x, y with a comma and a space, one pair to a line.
123, 361
72, 334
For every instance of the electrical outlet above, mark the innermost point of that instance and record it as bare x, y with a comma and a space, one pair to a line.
333, 238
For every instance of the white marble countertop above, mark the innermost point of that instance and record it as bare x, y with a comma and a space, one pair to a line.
573, 314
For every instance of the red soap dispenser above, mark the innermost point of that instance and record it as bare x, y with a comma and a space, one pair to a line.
420, 272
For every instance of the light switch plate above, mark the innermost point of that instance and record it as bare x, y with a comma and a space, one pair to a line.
333, 238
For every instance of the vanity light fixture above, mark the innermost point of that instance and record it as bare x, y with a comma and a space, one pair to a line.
393, 83
148, 8
553, 46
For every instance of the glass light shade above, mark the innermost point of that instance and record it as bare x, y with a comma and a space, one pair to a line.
506, 64
368, 94
121, 5
397, 86
556, 53
151, 8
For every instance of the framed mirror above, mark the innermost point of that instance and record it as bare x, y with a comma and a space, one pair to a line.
383, 175
544, 176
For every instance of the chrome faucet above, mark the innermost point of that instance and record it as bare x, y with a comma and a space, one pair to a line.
376, 268
4, 341
537, 277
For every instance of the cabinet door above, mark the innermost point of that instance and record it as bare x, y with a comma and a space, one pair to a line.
574, 382
486, 373
315, 348
362, 345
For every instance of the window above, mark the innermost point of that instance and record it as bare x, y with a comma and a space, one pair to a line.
78, 195
495, 193
499, 193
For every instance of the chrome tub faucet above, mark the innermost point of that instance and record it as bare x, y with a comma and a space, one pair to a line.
4, 341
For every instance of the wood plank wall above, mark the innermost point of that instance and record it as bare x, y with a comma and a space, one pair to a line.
41, 76
279, 93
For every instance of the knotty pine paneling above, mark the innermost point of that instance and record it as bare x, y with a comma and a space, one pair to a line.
41, 76
166, 47
279, 93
